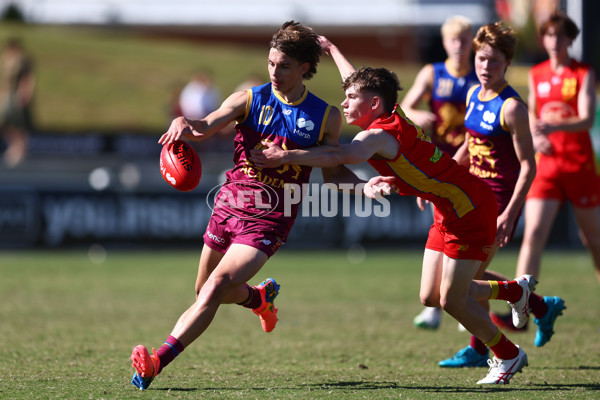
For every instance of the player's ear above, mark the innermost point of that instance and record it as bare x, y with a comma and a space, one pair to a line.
305, 68
375, 102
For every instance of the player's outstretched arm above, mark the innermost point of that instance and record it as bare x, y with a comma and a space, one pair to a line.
364, 146
340, 173
232, 108
344, 65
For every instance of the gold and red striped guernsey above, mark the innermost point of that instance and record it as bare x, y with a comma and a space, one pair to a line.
421, 169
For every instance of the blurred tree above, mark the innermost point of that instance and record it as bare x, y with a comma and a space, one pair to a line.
12, 13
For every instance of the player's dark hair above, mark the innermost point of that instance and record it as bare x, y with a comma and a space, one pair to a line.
497, 36
300, 43
383, 82
562, 23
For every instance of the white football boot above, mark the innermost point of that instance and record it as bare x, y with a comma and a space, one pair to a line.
501, 371
429, 318
520, 309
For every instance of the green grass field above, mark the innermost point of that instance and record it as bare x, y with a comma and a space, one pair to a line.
345, 332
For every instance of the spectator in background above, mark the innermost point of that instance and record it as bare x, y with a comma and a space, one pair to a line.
17, 86
253, 79
199, 97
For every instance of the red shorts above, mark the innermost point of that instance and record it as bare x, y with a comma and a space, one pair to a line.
581, 188
223, 231
468, 238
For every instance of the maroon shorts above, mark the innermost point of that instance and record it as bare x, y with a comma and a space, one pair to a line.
468, 238
223, 231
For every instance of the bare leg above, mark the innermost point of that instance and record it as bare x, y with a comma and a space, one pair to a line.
208, 262
457, 278
485, 303
431, 278
236, 267
16, 140
588, 220
539, 217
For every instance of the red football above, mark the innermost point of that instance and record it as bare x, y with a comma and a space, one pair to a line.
180, 165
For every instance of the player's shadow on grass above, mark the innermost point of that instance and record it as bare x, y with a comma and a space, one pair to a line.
453, 389
353, 384
581, 367
315, 386
360, 385
567, 386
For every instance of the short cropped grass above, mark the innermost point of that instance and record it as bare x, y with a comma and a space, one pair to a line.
345, 332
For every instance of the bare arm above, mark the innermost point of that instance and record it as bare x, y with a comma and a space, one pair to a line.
517, 121
462, 153
422, 87
364, 145
344, 66
541, 142
339, 173
232, 108
26, 89
332, 157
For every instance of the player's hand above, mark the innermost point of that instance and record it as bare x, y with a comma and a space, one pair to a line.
542, 144
379, 186
271, 156
326, 44
504, 230
179, 126
421, 203
539, 134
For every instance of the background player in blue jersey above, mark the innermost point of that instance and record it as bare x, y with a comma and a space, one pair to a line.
238, 240
445, 85
499, 150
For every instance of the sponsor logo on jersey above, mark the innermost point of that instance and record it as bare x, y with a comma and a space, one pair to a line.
307, 125
543, 89
304, 124
488, 119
